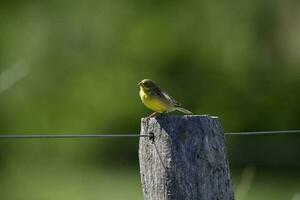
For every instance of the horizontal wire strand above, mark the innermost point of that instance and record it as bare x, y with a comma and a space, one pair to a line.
263, 132
65, 136
62, 136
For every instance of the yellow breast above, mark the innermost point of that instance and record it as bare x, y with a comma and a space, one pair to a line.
154, 103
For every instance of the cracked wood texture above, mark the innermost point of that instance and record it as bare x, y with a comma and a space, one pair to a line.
186, 161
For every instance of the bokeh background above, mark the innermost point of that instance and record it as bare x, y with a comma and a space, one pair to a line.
73, 67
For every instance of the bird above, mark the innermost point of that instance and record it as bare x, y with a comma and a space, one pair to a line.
158, 100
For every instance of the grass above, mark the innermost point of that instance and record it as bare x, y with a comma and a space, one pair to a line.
270, 183
52, 181
76, 183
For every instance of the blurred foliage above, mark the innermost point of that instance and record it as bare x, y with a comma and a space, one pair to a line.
73, 66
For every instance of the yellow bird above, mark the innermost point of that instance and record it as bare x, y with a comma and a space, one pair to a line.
156, 99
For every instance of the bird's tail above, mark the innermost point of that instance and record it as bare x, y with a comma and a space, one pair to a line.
185, 111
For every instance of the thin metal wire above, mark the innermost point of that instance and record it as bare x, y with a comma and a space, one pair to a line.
263, 132
63, 136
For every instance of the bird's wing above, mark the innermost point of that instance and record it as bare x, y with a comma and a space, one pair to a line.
158, 92
177, 105
172, 100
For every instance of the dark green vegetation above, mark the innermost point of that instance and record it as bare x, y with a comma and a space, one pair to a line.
73, 66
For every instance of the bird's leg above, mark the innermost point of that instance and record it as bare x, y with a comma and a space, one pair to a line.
152, 115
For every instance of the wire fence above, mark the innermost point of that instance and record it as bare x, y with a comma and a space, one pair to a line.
263, 132
66, 136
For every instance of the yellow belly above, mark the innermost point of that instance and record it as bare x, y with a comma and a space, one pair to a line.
153, 103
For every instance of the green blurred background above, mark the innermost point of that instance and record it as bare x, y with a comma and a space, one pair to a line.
73, 67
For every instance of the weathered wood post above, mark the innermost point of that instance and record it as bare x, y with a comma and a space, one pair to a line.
186, 160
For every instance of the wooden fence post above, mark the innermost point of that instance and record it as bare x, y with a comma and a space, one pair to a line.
186, 160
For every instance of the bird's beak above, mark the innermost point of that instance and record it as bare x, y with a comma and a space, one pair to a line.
140, 83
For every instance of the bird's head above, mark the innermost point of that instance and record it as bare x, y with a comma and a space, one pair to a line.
147, 84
